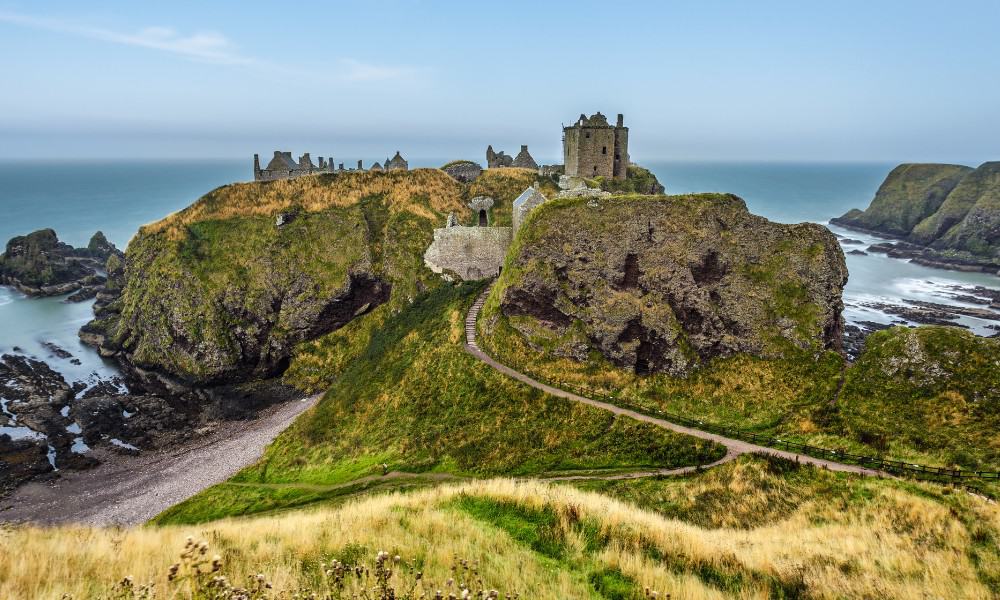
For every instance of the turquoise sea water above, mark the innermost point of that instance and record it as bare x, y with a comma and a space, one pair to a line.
78, 198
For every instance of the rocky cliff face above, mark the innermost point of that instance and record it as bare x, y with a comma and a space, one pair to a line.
39, 264
952, 210
664, 283
222, 292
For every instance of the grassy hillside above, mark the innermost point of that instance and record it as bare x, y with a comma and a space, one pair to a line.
221, 292
979, 231
874, 407
983, 180
815, 535
410, 398
933, 390
929, 395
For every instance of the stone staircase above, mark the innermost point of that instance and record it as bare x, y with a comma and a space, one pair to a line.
470, 319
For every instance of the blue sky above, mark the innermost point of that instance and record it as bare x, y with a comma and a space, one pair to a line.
848, 80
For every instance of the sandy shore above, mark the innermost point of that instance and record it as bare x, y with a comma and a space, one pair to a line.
129, 490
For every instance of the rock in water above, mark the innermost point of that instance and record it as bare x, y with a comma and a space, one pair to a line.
664, 283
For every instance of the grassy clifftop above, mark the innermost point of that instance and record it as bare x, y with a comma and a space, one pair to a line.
223, 290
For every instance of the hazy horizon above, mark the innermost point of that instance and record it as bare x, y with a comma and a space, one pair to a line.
712, 81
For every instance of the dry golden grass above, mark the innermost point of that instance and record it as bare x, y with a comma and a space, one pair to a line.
895, 545
425, 192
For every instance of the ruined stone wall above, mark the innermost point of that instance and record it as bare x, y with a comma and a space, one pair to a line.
621, 153
465, 172
468, 252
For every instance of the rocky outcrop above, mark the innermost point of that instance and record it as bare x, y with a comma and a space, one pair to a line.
950, 214
38, 264
665, 283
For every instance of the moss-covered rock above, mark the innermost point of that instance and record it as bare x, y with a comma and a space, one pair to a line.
663, 283
638, 180
39, 264
933, 388
910, 194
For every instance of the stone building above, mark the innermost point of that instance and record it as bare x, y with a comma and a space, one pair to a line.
397, 163
283, 166
375, 167
524, 204
495, 160
523, 160
594, 148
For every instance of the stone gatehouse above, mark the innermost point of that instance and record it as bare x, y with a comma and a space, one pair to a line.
477, 251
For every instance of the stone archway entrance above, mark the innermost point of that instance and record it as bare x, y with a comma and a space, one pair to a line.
483, 221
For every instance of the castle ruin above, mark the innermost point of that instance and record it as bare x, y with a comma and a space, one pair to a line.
497, 160
594, 148
283, 166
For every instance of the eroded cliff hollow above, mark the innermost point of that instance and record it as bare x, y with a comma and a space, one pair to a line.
222, 291
664, 283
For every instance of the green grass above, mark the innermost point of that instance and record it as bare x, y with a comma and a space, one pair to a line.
413, 399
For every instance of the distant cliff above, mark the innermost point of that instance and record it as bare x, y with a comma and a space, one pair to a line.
950, 209
668, 282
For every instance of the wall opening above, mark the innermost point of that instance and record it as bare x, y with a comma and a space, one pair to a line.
483, 221
595, 169
604, 149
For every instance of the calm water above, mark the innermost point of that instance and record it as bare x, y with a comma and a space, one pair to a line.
78, 198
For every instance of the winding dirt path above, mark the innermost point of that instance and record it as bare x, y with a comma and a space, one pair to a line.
130, 490
733, 446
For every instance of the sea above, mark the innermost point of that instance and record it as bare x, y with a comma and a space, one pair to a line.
117, 197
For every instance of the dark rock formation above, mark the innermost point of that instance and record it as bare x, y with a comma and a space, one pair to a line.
38, 264
662, 284
20, 461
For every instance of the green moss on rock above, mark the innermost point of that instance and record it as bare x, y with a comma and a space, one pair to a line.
662, 283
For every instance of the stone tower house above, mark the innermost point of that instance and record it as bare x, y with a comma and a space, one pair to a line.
594, 148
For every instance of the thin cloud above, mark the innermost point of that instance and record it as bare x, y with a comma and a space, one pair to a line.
207, 46
356, 70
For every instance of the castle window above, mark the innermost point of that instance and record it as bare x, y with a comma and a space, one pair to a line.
604, 150
587, 135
